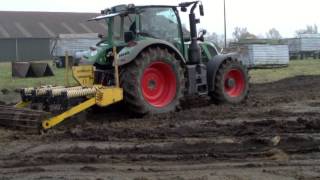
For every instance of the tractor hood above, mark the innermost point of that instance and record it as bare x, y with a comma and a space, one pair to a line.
126, 53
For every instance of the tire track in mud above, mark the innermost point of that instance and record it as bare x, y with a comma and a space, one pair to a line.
260, 130
207, 141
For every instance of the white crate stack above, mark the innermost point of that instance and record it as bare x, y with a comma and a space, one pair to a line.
305, 43
259, 55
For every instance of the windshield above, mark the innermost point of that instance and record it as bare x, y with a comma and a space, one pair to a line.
122, 24
156, 22
160, 23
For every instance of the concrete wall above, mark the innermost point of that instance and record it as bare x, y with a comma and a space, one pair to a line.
24, 49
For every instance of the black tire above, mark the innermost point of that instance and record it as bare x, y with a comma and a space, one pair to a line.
131, 81
60, 62
221, 94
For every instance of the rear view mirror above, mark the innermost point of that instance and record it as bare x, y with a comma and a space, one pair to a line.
201, 10
203, 32
201, 35
184, 9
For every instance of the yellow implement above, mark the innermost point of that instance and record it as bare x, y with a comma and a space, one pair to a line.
94, 94
104, 97
22, 104
84, 75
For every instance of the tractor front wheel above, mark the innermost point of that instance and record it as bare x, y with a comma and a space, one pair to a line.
231, 83
153, 83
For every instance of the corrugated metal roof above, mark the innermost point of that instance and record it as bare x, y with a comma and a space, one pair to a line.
16, 24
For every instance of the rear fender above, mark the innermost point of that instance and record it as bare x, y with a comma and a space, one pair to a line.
128, 54
213, 66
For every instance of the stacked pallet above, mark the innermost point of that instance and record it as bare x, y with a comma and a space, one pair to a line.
264, 55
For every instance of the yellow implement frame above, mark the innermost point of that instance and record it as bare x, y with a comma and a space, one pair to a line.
105, 96
22, 104
47, 124
84, 74
100, 95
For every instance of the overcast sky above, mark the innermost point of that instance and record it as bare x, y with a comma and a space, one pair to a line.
257, 15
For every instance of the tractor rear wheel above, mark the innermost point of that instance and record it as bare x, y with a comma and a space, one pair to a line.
153, 83
231, 83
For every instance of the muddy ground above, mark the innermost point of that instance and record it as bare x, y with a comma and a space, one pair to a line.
274, 135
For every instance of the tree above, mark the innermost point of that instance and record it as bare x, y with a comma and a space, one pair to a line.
273, 34
242, 33
310, 29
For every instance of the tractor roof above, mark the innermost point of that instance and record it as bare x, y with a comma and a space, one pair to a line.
126, 9
131, 8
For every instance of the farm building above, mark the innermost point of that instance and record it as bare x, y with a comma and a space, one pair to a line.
28, 35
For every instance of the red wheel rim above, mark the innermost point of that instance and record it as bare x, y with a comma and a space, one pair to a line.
234, 83
159, 84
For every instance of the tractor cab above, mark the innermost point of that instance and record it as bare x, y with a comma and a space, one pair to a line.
129, 24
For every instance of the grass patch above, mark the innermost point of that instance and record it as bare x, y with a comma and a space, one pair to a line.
10, 83
295, 68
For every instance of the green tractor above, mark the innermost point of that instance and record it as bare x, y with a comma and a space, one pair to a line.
148, 60
160, 62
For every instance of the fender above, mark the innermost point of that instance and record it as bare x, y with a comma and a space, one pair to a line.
213, 67
128, 54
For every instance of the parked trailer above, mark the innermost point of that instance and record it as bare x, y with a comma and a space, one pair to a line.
75, 44
306, 45
264, 55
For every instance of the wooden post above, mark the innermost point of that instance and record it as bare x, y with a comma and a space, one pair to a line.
66, 74
17, 50
116, 67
